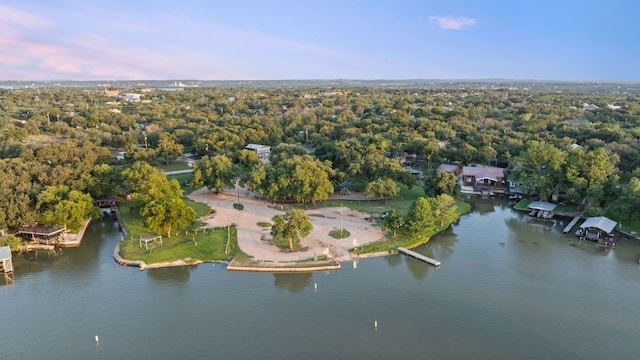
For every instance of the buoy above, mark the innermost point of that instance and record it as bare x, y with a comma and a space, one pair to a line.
315, 287
97, 339
375, 324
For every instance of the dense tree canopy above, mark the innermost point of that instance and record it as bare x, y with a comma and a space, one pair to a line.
572, 140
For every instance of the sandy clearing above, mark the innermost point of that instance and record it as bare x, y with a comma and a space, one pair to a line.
252, 239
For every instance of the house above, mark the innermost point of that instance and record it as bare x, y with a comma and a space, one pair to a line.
263, 151
599, 228
483, 176
449, 168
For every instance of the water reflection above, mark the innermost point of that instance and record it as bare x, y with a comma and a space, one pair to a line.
295, 283
393, 261
171, 275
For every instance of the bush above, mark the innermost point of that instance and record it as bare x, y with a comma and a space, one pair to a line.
238, 206
11, 241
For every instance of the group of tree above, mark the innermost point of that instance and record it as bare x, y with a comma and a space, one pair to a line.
158, 200
65, 137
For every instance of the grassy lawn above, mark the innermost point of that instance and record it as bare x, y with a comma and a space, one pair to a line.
182, 179
402, 203
391, 242
218, 244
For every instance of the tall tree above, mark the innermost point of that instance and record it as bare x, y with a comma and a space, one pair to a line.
393, 221
168, 149
382, 188
214, 172
291, 227
164, 215
539, 169
59, 205
420, 218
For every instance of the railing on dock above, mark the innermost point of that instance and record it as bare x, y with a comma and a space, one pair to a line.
421, 257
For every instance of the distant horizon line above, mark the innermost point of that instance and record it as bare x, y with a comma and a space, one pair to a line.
336, 79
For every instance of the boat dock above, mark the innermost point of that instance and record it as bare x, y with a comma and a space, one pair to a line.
6, 264
573, 223
421, 257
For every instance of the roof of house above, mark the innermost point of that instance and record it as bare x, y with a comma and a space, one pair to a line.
257, 147
541, 205
481, 172
599, 222
448, 168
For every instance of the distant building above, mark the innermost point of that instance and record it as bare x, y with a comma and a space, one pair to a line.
449, 168
263, 151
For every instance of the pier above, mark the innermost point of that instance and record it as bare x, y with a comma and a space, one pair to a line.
421, 257
573, 223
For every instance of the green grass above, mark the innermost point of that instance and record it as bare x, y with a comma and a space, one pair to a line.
337, 234
264, 224
218, 244
402, 238
522, 204
401, 203
182, 179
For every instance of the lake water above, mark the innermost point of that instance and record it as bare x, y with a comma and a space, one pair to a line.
508, 287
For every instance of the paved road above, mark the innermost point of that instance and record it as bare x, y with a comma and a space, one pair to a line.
176, 172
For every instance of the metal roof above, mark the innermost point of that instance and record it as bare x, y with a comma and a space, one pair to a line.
599, 222
541, 205
5, 252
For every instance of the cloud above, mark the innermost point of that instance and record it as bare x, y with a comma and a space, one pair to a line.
452, 23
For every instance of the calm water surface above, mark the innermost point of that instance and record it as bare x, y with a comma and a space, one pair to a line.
508, 288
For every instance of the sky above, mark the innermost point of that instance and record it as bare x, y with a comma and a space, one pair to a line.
329, 39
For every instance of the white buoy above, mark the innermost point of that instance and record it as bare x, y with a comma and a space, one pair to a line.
315, 287
97, 339
375, 324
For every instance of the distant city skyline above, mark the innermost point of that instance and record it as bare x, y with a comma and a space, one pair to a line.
281, 40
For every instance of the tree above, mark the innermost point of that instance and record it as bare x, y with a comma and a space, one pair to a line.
445, 209
145, 184
11, 241
393, 221
168, 148
163, 215
539, 169
214, 172
421, 218
59, 205
441, 183
383, 188
291, 227
300, 178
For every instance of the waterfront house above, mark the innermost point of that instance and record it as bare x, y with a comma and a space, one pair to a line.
483, 177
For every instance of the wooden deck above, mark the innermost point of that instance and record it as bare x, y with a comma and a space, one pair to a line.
421, 257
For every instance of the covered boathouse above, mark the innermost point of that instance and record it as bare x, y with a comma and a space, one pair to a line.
541, 209
43, 234
6, 265
600, 229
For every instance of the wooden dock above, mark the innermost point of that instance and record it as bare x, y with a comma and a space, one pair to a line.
573, 222
421, 257
116, 212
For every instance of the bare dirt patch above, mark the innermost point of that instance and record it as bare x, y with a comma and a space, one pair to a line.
253, 239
